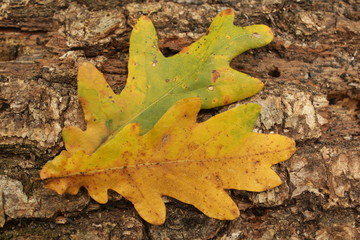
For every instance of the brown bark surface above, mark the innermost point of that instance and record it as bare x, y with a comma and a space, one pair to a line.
311, 94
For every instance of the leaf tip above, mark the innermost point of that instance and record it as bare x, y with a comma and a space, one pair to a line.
58, 185
87, 70
292, 147
261, 34
142, 22
261, 85
256, 107
145, 18
232, 213
86, 64
228, 11
86, 67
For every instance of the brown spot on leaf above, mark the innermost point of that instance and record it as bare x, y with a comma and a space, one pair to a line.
227, 12
146, 18
165, 139
185, 50
134, 126
126, 155
193, 146
256, 35
215, 75
234, 211
226, 100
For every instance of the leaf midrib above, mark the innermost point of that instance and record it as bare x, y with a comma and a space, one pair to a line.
158, 164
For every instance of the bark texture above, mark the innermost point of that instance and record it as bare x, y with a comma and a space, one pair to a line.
311, 94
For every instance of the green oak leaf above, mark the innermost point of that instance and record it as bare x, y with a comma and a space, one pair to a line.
156, 82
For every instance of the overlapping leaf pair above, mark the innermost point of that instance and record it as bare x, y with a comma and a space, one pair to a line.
145, 142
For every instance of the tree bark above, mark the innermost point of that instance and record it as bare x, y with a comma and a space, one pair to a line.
311, 94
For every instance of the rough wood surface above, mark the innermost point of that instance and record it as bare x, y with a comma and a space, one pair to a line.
311, 94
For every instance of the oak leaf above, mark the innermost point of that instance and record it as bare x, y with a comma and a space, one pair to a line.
192, 162
156, 82
146, 143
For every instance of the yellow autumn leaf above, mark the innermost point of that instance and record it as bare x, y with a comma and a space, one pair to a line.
192, 162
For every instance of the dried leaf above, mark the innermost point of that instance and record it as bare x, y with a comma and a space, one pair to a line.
192, 162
